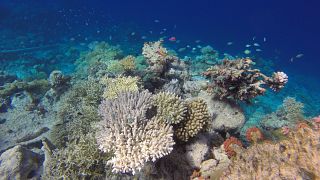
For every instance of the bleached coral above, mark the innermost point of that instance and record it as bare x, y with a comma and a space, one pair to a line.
114, 86
132, 137
170, 107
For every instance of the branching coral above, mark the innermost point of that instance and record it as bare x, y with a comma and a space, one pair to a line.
114, 86
78, 160
288, 114
298, 157
197, 118
170, 107
127, 132
235, 79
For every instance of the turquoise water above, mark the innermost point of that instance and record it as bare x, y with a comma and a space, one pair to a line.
54, 56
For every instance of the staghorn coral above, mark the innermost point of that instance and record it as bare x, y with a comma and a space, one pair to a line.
235, 79
125, 131
288, 114
80, 159
297, 157
76, 110
197, 118
170, 107
254, 134
114, 86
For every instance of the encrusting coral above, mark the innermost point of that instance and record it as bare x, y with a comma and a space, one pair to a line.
170, 107
235, 79
297, 157
114, 86
230, 144
197, 118
125, 131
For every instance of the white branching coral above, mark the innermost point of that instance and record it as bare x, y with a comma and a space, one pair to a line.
132, 137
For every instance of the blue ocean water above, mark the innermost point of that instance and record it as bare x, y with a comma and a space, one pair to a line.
36, 37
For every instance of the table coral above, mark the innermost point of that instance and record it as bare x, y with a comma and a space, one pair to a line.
297, 157
235, 79
125, 131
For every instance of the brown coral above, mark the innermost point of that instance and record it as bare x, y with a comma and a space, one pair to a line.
170, 107
297, 157
196, 119
235, 79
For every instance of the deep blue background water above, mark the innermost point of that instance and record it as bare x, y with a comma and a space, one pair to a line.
290, 27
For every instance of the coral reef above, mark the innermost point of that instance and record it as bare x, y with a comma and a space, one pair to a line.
294, 158
170, 107
114, 86
288, 114
235, 79
127, 132
197, 118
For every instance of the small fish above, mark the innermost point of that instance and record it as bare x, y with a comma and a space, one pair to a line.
248, 45
198, 46
247, 51
229, 43
258, 50
181, 49
110, 38
178, 41
188, 46
256, 44
299, 55
198, 41
172, 39
164, 29
150, 32
133, 33
264, 39
193, 49
161, 32
292, 59
144, 37
254, 38
156, 21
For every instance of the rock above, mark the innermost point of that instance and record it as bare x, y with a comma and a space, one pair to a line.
197, 150
19, 163
226, 116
